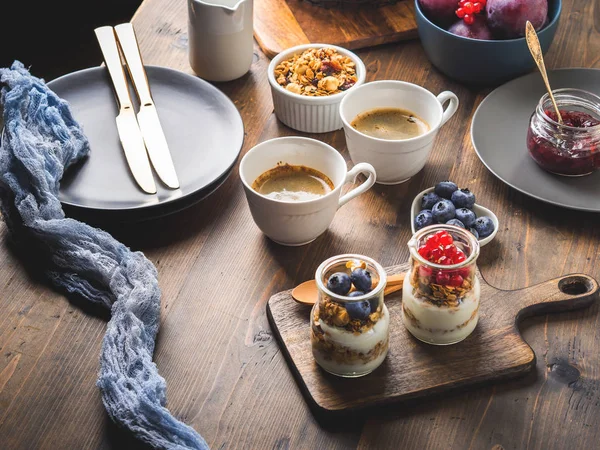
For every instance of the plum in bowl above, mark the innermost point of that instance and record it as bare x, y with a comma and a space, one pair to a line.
489, 50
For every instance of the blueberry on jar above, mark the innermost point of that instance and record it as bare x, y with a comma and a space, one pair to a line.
339, 283
443, 211
359, 310
361, 279
445, 189
356, 294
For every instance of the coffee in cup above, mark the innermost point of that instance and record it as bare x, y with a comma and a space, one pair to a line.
292, 183
390, 123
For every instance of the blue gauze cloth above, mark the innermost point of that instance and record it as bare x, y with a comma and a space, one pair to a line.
41, 139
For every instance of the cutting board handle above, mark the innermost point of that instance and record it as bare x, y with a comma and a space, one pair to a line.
565, 293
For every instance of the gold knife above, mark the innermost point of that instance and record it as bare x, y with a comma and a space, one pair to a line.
147, 117
129, 132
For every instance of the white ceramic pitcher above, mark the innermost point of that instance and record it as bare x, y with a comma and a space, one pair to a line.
220, 38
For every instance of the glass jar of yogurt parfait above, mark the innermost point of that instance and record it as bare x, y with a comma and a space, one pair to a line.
350, 322
440, 295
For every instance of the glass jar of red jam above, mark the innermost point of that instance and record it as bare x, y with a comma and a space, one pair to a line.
571, 148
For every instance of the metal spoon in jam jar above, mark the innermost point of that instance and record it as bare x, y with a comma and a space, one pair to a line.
536, 52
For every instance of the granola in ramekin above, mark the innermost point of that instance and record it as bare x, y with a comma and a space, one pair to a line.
316, 72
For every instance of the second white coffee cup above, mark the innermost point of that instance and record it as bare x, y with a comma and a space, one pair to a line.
395, 161
298, 223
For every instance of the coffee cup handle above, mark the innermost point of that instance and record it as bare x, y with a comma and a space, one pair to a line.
452, 107
365, 168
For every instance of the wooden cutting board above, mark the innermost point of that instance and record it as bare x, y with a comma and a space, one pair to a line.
281, 24
494, 351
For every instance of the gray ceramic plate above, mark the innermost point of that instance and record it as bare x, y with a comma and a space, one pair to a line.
499, 131
202, 126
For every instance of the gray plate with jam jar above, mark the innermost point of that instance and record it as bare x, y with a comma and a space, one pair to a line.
499, 132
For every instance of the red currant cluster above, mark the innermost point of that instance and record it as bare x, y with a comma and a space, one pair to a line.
439, 248
468, 8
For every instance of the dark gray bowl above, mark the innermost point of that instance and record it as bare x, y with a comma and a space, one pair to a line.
480, 62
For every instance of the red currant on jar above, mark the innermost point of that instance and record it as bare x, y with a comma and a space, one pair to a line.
573, 147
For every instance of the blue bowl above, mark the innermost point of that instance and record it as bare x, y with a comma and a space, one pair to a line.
481, 62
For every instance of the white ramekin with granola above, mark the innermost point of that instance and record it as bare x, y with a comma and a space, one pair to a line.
350, 322
308, 83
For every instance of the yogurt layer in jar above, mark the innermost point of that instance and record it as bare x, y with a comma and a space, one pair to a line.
350, 322
441, 291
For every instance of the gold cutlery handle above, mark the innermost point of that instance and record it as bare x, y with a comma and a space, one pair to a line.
133, 58
112, 58
536, 52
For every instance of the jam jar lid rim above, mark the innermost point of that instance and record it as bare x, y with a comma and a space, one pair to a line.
471, 237
372, 293
553, 122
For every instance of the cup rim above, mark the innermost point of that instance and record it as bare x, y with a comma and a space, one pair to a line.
431, 131
361, 73
291, 138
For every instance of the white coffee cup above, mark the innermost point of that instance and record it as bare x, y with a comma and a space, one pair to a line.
298, 223
395, 161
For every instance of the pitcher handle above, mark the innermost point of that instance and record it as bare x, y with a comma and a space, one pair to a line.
365, 168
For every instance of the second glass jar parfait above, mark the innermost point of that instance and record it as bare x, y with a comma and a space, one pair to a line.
350, 322
440, 295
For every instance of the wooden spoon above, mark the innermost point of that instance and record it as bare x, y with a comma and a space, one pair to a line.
536, 51
307, 292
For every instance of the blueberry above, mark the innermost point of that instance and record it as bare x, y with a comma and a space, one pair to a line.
463, 198
361, 279
466, 216
484, 226
339, 283
443, 211
423, 219
456, 223
445, 189
374, 303
358, 310
474, 231
429, 199
356, 294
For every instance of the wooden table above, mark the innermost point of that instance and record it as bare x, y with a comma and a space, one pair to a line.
226, 374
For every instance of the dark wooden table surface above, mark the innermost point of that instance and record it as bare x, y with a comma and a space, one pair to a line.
226, 374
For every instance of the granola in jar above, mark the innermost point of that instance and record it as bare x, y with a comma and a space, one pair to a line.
350, 322
316, 72
441, 291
